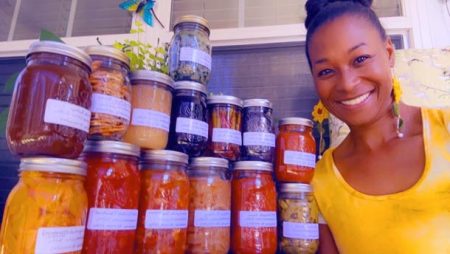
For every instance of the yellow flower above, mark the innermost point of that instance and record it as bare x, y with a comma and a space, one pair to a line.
320, 113
396, 89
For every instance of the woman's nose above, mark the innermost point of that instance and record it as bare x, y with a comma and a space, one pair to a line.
348, 81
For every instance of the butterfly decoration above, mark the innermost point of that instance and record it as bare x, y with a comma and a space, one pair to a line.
143, 8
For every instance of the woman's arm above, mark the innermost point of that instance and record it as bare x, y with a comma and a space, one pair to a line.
326, 241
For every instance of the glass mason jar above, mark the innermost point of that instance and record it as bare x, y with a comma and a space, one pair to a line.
111, 93
295, 150
189, 122
164, 202
152, 104
209, 206
49, 112
258, 132
190, 50
225, 118
112, 186
299, 215
253, 208
46, 210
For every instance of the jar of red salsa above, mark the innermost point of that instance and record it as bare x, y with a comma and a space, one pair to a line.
295, 150
113, 194
253, 208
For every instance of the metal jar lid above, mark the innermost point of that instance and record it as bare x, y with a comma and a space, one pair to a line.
296, 120
253, 165
56, 165
192, 19
107, 146
152, 76
295, 187
190, 85
164, 155
109, 52
209, 162
257, 103
61, 49
224, 99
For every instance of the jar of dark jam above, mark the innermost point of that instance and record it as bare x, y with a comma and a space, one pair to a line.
189, 120
49, 112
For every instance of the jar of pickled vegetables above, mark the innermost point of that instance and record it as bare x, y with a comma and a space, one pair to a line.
295, 150
190, 50
49, 112
111, 93
152, 104
209, 206
112, 186
258, 132
46, 210
164, 202
225, 117
253, 208
299, 215
189, 122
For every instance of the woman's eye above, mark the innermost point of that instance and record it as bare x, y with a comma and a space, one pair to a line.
361, 59
324, 72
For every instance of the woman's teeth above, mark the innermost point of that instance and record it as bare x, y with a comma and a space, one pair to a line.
357, 100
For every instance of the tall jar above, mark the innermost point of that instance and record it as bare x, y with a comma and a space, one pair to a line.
189, 122
225, 118
296, 150
190, 50
46, 210
253, 208
258, 132
164, 203
299, 215
209, 206
152, 104
113, 192
49, 112
111, 93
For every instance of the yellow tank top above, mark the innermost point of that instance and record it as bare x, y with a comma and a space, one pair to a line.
416, 220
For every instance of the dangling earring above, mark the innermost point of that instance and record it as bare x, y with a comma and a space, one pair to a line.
397, 94
320, 113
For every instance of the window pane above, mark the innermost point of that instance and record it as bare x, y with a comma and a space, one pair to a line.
6, 13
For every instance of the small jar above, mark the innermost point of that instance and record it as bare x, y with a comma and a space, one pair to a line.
258, 132
189, 122
190, 50
112, 186
164, 204
111, 93
209, 206
49, 112
296, 150
152, 104
253, 208
298, 214
46, 210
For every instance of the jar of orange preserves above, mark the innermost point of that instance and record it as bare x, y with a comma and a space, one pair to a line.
295, 150
113, 193
46, 210
253, 208
163, 208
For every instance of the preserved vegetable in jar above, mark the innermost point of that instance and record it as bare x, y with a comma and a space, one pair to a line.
190, 50
112, 186
164, 203
209, 206
111, 93
298, 213
296, 151
46, 210
49, 112
253, 208
152, 104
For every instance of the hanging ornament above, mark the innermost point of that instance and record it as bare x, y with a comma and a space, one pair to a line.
144, 8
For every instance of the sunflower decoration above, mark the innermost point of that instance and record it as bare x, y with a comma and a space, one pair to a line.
320, 113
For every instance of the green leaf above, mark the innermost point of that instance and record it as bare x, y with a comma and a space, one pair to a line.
3, 119
9, 85
49, 36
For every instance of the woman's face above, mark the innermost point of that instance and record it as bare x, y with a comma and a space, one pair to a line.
351, 67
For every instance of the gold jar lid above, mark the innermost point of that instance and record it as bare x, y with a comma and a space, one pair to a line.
152, 76
297, 121
224, 99
109, 52
61, 49
108, 146
163, 155
54, 165
209, 162
190, 85
192, 19
257, 103
295, 187
253, 165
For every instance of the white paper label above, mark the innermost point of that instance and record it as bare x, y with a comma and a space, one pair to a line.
150, 118
257, 219
300, 230
59, 239
225, 135
191, 126
67, 114
112, 219
300, 159
111, 105
259, 139
166, 219
212, 218
196, 56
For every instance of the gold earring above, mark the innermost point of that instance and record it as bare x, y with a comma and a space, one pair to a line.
320, 113
397, 94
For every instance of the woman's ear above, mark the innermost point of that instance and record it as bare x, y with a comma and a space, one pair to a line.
390, 48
